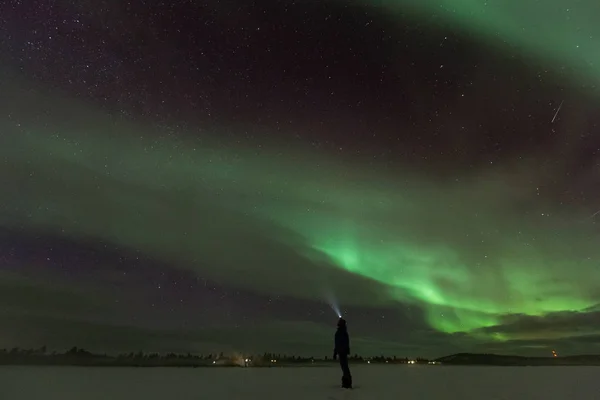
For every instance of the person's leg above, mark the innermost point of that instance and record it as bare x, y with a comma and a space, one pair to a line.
341, 358
346, 378
347, 374
349, 379
344, 366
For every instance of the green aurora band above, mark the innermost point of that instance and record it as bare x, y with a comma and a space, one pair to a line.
563, 32
458, 250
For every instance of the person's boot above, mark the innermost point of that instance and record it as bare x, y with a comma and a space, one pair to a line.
346, 382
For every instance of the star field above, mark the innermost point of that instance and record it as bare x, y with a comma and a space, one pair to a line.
211, 176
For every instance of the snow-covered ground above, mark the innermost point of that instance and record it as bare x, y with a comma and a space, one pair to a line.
372, 383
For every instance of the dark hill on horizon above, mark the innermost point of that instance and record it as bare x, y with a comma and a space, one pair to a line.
512, 360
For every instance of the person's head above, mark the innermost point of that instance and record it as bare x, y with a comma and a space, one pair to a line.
341, 323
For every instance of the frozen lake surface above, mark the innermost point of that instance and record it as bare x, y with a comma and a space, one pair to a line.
372, 383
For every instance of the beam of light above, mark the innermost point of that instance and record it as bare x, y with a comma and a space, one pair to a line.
333, 303
336, 309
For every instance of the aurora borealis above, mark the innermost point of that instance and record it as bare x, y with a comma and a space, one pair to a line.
212, 176
560, 31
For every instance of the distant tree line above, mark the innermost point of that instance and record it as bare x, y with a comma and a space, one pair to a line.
80, 357
515, 360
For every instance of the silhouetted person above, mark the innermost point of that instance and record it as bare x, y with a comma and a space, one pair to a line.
342, 349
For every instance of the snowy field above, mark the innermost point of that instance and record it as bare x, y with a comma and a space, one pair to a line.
372, 383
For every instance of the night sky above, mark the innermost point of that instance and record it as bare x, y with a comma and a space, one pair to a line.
218, 175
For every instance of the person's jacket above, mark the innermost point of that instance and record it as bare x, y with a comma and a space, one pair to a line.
342, 342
